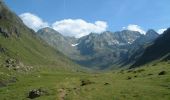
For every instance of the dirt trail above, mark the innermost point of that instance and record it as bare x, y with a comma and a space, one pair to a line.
62, 94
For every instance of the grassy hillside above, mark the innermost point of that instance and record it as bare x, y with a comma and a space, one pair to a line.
19, 43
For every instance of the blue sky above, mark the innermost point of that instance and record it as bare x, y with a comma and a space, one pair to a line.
116, 13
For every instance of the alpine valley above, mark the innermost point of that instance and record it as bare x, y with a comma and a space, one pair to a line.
46, 65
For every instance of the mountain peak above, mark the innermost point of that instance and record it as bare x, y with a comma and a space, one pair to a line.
152, 33
106, 33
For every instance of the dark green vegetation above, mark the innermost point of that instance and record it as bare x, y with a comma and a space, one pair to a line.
31, 69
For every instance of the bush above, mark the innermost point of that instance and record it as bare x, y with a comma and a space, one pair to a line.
162, 73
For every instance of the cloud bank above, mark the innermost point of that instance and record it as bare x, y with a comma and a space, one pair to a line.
32, 21
67, 27
78, 27
133, 27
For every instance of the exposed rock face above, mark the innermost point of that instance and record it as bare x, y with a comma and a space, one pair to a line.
16, 65
7, 33
63, 44
139, 46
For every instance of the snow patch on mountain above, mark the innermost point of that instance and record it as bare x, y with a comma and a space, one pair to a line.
73, 45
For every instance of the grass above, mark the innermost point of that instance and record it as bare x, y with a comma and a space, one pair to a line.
147, 85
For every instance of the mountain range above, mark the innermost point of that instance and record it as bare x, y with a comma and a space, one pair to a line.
100, 51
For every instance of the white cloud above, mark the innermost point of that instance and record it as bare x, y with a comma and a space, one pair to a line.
133, 27
68, 27
78, 27
32, 21
160, 31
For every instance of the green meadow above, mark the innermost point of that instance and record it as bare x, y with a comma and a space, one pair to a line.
142, 83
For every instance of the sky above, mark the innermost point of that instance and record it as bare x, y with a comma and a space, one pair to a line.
80, 17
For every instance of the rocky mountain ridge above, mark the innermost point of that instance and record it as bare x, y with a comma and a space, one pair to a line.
100, 51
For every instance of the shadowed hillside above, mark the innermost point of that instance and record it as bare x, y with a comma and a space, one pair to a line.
159, 49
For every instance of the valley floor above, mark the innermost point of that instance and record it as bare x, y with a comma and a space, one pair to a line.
151, 82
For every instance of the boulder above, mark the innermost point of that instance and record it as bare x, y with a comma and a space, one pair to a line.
10, 63
106, 83
36, 93
86, 82
128, 78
